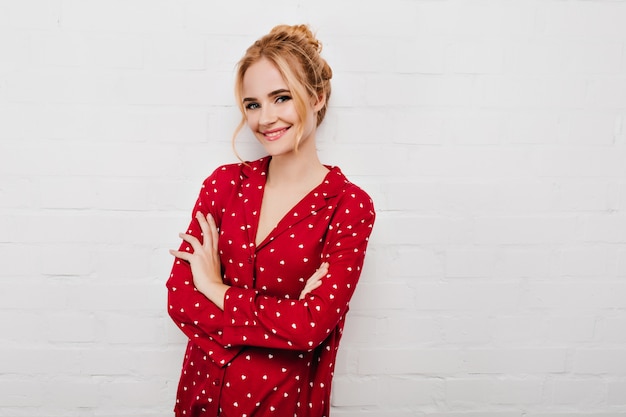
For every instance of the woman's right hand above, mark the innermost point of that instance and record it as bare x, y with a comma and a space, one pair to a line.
314, 280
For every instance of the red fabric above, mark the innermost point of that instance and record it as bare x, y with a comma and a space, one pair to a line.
269, 353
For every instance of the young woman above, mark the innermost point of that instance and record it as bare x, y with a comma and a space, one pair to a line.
262, 280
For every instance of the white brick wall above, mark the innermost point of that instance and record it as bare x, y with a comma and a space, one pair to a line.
491, 134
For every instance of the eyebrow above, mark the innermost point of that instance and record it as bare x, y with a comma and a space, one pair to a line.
273, 93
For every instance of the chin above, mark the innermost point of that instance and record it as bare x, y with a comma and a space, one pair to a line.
275, 153
278, 149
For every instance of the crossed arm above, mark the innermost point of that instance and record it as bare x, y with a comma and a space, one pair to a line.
217, 316
205, 263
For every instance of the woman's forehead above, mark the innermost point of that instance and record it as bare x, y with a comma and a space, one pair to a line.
262, 77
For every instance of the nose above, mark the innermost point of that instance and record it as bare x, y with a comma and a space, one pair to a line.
268, 115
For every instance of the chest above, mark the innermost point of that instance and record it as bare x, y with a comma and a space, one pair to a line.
282, 262
274, 206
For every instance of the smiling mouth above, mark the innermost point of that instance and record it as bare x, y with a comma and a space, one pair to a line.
275, 134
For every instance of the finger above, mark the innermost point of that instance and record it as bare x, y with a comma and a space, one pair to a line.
321, 271
213, 230
185, 256
192, 240
312, 284
309, 287
204, 226
304, 292
314, 281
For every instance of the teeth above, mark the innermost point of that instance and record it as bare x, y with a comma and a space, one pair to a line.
274, 134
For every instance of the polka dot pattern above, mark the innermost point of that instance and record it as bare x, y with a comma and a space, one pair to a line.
269, 353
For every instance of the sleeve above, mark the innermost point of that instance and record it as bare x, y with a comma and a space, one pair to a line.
253, 319
199, 318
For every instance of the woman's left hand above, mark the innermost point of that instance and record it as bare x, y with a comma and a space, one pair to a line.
205, 259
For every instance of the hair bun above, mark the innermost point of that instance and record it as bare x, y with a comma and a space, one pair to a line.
299, 34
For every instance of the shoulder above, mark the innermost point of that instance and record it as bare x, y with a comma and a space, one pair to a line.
355, 195
352, 199
353, 210
231, 174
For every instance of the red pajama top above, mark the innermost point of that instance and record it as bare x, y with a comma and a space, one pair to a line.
269, 353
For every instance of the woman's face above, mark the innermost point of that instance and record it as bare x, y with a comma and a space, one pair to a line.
270, 109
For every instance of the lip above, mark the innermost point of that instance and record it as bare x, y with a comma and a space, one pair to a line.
275, 134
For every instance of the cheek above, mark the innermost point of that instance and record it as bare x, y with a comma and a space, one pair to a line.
293, 114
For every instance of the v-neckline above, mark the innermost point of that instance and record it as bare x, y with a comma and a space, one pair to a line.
289, 213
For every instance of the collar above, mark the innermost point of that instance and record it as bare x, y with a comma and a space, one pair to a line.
333, 184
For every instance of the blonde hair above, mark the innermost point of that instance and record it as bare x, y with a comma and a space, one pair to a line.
295, 52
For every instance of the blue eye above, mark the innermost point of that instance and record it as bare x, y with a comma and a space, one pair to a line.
282, 99
252, 106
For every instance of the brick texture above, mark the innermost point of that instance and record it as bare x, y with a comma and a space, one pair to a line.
491, 135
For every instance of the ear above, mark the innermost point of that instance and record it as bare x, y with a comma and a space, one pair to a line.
319, 102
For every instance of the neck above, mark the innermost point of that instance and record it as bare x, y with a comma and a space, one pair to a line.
295, 168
